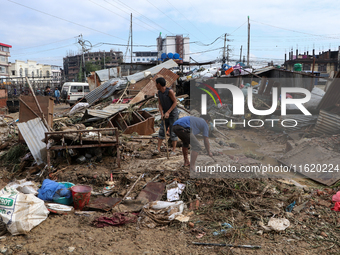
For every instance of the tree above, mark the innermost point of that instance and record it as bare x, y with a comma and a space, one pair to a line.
91, 67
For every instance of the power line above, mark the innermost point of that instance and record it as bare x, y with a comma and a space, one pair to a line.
295, 31
144, 17
134, 17
154, 45
187, 19
121, 15
238, 28
167, 16
192, 53
65, 20
43, 50
47, 43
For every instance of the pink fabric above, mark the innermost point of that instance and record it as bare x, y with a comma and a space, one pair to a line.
336, 197
124, 101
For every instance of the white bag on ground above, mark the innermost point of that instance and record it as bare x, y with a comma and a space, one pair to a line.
23, 186
160, 213
21, 212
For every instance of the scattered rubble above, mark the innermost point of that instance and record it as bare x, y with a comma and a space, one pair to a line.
107, 144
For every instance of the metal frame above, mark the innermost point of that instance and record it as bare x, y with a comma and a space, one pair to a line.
100, 143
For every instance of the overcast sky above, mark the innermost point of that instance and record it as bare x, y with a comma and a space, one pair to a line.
47, 30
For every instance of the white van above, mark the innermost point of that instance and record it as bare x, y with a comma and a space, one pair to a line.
72, 92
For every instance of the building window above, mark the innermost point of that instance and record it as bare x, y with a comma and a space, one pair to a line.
37, 73
2, 69
5, 49
138, 59
40, 74
32, 74
143, 59
2, 59
306, 67
47, 74
322, 68
147, 59
13, 72
20, 72
26, 72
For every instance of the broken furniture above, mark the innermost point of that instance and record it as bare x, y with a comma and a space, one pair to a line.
92, 138
140, 122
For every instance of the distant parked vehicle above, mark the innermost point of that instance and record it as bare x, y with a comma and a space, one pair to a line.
72, 92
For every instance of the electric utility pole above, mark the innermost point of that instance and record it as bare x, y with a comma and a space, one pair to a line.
248, 42
228, 54
84, 48
225, 41
241, 54
131, 40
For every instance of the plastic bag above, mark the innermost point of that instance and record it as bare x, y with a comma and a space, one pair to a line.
23, 186
21, 212
53, 190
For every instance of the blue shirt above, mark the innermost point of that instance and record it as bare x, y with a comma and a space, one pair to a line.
57, 93
197, 125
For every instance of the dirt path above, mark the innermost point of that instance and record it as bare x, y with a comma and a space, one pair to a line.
219, 201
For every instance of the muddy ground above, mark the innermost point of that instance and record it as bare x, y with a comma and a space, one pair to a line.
245, 204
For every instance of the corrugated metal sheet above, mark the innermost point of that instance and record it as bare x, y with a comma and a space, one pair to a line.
33, 132
150, 89
328, 123
263, 70
105, 90
106, 74
332, 95
153, 70
107, 111
287, 78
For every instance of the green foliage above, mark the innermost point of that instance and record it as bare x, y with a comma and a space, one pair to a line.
15, 153
92, 67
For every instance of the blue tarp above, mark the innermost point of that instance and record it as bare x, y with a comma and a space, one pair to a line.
53, 190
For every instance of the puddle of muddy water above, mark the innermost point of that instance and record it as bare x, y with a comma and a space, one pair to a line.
245, 147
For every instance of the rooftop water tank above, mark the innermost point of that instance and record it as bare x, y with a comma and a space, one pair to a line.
298, 67
163, 56
176, 56
170, 55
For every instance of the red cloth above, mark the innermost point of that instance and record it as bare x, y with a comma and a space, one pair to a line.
336, 207
116, 220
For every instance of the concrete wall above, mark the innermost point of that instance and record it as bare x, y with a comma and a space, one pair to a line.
186, 57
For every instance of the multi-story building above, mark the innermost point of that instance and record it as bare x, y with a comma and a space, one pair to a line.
325, 61
56, 76
4, 55
39, 75
143, 57
174, 44
101, 59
